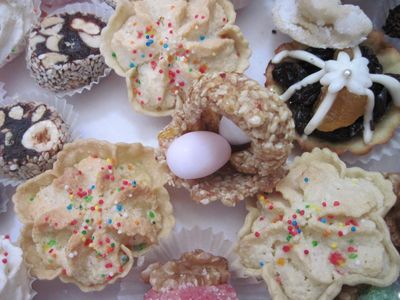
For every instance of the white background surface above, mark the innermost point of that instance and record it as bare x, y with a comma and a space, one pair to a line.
105, 113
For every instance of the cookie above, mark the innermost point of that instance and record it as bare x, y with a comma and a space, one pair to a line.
322, 228
256, 166
195, 275
326, 24
350, 112
63, 53
14, 278
100, 207
31, 136
160, 47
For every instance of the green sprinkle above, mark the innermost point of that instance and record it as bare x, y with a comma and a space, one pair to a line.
307, 206
114, 54
351, 241
83, 231
288, 238
88, 198
139, 247
118, 189
151, 214
31, 199
314, 243
52, 243
353, 256
124, 259
112, 245
190, 70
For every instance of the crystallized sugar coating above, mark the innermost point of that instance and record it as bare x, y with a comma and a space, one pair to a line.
322, 24
323, 228
258, 112
100, 207
195, 275
162, 46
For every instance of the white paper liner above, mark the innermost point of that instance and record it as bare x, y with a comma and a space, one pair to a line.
51, 5
239, 4
391, 148
65, 110
380, 16
101, 10
6, 193
179, 242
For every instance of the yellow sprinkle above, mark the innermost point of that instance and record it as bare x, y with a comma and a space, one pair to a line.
96, 207
109, 161
341, 225
333, 245
83, 239
280, 261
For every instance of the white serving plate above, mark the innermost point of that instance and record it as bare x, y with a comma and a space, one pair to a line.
105, 113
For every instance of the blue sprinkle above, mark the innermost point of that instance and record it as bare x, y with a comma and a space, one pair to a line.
143, 55
69, 207
306, 180
353, 229
298, 230
133, 183
119, 207
93, 187
148, 44
109, 221
165, 46
132, 65
294, 223
261, 264
147, 36
323, 220
202, 38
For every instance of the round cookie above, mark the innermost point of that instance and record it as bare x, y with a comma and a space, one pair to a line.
63, 53
31, 135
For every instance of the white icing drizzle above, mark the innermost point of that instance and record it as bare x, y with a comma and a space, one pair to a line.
343, 72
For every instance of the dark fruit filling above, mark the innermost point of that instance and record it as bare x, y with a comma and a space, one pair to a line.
71, 44
302, 102
392, 25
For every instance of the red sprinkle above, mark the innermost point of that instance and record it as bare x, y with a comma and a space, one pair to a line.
4, 260
306, 252
324, 204
257, 234
286, 248
340, 233
337, 259
109, 265
336, 203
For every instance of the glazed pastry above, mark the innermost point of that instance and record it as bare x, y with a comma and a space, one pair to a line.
86, 220
321, 229
392, 25
14, 278
63, 53
31, 135
344, 100
322, 24
162, 46
196, 275
393, 218
16, 18
254, 166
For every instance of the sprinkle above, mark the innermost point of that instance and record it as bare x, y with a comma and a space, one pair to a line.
294, 223
257, 234
314, 243
4, 260
165, 46
337, 259
52, 243
286, 248
340, 233
151, 214
353, 256
306, 179
323, 220
261, 263
84, 232
306, 252
324, 204
119, 207
203, 69
280, 261
114, 54
353, 228
132, 65
202, 38
333, 245
69, 207
336, 203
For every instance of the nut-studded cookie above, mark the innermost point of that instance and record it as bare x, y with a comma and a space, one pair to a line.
31, 135
63, 53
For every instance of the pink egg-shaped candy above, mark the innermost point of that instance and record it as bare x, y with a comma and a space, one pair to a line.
198, 154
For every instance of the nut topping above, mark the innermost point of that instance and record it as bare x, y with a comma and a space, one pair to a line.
2, 118
38, 113
88, 27
52, 42
16, 112
89, 40
41, 136
9, 141
52, 58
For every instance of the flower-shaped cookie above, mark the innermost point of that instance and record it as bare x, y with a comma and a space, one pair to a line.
162, 46
323, 228
101, 206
